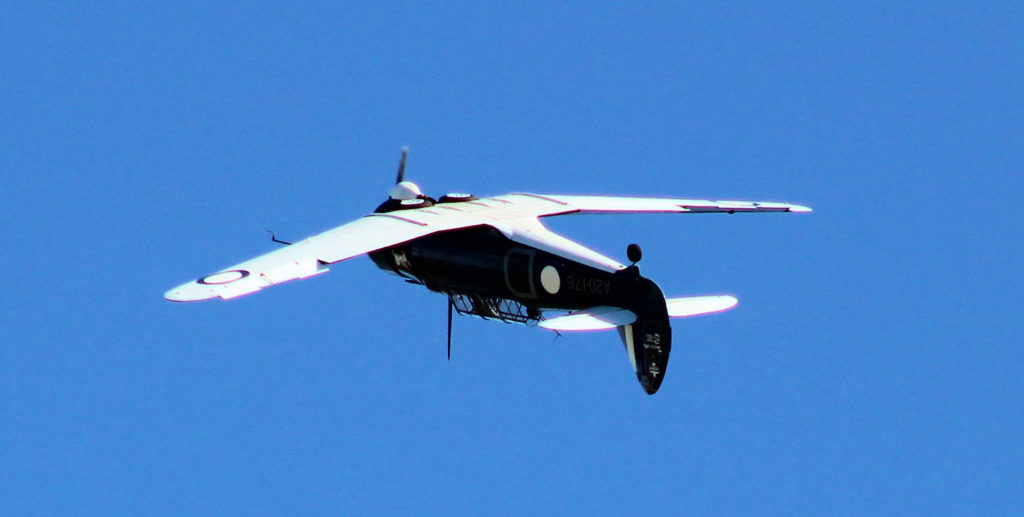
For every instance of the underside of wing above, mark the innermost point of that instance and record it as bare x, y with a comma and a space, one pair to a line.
615, 204
306, 258
532, 232
594, 318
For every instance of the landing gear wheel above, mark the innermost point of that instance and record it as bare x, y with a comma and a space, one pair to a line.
634, 253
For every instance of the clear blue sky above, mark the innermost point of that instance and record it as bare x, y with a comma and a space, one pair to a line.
873, 366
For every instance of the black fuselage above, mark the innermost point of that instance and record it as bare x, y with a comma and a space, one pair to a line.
481, 261
481, 270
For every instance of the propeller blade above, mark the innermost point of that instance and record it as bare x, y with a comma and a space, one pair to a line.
401, 165
449, 328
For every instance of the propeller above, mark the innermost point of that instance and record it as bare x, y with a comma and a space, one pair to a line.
449, 328
401, 166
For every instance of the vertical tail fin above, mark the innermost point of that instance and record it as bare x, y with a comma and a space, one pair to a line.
648, 340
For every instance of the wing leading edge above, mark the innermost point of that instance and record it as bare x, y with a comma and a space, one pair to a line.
308, 257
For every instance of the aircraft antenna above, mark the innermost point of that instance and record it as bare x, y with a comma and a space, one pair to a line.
449, 328
274, 238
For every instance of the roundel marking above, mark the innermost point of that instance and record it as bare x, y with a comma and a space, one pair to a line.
224, 277
550, 279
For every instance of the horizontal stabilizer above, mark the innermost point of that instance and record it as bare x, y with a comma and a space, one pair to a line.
607, 318
594, 318
698, 305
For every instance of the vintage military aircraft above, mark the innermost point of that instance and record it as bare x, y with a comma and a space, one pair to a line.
493, 258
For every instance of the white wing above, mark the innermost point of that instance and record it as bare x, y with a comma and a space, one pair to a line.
518, 217
614, 204
515, 215
309, 257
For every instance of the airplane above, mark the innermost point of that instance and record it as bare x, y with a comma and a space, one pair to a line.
494, 259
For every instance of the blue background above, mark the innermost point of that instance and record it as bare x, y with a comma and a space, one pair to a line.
873, 366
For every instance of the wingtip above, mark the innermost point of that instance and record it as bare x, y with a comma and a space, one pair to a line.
189, 292
176, 296
799, 209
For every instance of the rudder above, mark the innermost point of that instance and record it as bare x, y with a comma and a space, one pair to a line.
648, 340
